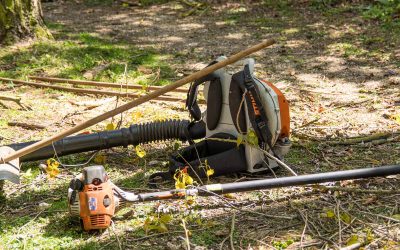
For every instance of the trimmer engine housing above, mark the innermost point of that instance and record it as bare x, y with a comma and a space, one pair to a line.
91, 197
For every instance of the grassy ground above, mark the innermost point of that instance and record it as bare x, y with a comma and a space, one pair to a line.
339, 70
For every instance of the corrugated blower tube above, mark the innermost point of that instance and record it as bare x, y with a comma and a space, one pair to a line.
136, 134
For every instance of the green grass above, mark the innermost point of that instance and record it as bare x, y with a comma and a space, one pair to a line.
104, 59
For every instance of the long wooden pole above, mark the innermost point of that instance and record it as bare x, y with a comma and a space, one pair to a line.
136, 102
87, 91
99, 84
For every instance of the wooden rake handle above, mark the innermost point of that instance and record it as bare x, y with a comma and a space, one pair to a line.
190, 78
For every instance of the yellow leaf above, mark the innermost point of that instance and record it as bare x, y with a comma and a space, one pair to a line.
199, 222
182, 179
162, 228
140, 152
252, 138
370, 237
239, 140
187, 179
100, 159
165, 218
330, 214
353, 240
180, 185
396, 216
136, 116
53, 173
345, 217
375, 162
52, 168
396, 118
52, 163
28, 174
110, 126
190, 200
230, 196
210, 172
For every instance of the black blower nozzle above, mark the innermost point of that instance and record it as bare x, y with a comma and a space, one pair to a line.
136, 134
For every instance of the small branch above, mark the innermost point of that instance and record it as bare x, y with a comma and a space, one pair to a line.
363, 139
116, 235
304, 231
26, 125
380, 216
354, 246
232, 231
10, 98
16, 100
186, 235
101, 84
357, 190
339, 219
89, 91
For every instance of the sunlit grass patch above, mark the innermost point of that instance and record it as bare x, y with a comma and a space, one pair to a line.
88, 55
347, 49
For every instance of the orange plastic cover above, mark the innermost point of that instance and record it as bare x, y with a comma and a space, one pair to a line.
284, 111
93, 212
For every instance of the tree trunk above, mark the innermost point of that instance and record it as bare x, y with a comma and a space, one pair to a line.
21, 19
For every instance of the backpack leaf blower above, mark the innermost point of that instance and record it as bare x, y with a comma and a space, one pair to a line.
94, 199
235, 104
7, 157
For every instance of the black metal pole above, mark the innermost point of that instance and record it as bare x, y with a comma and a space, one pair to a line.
299, 180
208, 190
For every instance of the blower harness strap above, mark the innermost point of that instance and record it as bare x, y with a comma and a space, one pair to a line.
256, 112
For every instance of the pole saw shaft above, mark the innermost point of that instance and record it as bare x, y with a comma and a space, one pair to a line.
234, 187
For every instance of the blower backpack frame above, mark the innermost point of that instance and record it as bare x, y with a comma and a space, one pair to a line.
235, 104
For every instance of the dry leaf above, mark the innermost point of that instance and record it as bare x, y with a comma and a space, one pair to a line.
140, 151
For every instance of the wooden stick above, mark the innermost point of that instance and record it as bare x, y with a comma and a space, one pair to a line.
87, 91
16, 100
10, 98
100, 84
26, 125
190, 78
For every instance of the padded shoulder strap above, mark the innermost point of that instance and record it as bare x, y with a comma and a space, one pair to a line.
214, 99
191, 101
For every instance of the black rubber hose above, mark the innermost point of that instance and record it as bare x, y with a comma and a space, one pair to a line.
136, 134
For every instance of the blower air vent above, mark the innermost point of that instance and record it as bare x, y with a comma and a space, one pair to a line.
98, 220
95, 188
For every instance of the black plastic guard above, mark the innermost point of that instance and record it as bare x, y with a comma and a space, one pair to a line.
224, 157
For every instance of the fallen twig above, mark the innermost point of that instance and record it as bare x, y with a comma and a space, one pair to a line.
380, 216
304, 231
357, 190
363, 139
92, 104
88, 91
232, 231
16, 100
354, 246
101, 84
186, 234
26, 125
